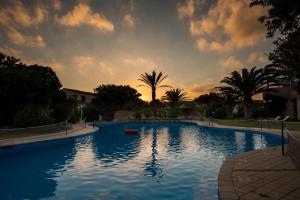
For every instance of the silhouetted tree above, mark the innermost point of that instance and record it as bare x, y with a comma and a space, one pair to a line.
230, 99
285, 66
153, 81
212, 105
174, 97
283, 21
110, 98
62, 107
245, 86
208, 98
26, 91
283, 16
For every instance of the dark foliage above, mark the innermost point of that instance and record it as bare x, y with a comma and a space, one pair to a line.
110, 98
153, 81
283, 21
285, 66
174, 97
61, 106
215, 105
28, 91
283, 16
245, 85
208, 98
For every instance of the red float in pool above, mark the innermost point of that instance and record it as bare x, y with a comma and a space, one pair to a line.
131, 132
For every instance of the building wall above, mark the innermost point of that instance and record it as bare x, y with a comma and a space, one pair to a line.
293, 100
80, 96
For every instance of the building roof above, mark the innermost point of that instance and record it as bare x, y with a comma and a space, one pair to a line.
78, 91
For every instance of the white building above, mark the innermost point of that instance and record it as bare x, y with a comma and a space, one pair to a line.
83, 98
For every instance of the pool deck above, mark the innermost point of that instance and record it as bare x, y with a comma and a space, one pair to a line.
262, 174
45, 137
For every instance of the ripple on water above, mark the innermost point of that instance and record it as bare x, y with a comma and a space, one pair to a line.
162, 162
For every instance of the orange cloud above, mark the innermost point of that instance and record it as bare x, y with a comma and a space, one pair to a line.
142, 63
186, 10
83, 63
39, 41
204, 45
107, 68
231, 63
228, 24
18, 38
82, 14
22, 16
57, 5
257, 57
207, 86
11, 17
128, 21
200, 27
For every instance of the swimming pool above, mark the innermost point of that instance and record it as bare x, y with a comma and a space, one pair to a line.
163, 161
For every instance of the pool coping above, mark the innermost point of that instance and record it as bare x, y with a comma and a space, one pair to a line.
4, 143
226, 187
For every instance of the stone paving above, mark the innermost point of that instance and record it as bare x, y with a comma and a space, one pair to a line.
44, 137
261, 174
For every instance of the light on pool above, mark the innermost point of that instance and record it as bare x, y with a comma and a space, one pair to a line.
167, 161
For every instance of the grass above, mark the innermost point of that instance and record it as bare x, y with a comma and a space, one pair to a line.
257, 124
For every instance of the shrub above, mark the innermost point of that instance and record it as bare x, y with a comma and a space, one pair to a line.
220, 113
75, 115
33, 116
91, 113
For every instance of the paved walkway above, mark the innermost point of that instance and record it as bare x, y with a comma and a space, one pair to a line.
44, 137
261, 174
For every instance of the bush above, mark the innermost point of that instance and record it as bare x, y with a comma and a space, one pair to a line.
33, 116
240, 112
258, 110
62, 106
220, 113
91, 113
75, 115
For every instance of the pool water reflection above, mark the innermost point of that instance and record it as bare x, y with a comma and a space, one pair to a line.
161, 162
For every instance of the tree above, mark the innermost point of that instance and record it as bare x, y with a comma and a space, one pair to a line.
285, 66
153, 81
110, 98
208, 98
62, 107
245, 86
32, 115
211, 105
283, 21
175, 96
282, 17
230, 98
28, 91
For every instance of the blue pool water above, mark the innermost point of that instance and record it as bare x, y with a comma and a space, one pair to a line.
162, 162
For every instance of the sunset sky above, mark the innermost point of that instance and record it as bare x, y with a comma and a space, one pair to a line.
92, 42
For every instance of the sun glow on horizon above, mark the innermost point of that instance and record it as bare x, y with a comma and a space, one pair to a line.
89, 43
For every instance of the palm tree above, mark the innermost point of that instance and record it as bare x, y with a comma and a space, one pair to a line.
230, 98
245, 86
153, 81
175, 96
